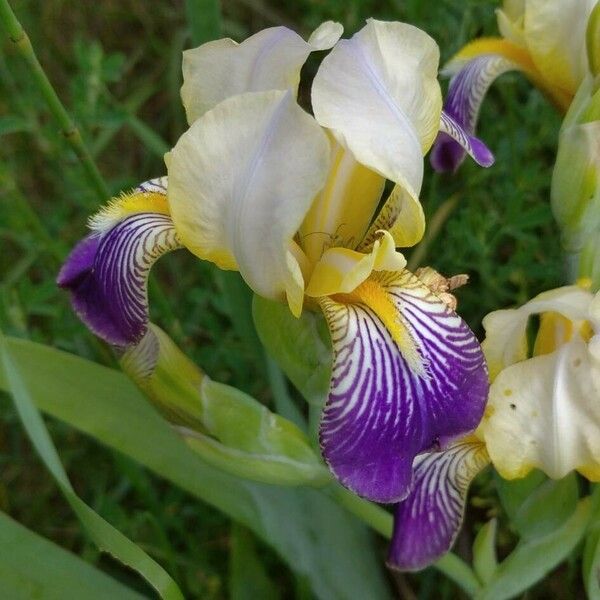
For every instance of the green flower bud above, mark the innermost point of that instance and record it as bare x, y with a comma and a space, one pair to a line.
227, 428
576, 178
593, 41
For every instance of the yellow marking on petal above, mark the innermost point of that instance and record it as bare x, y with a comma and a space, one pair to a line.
375, 297
522, 59
556, 330
128, 203
591, 472
341, 212
341, 270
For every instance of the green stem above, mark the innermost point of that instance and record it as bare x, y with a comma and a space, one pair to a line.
433, 229
381, 521
22, 43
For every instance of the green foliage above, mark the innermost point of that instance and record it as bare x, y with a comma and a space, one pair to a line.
55, 569
303, 525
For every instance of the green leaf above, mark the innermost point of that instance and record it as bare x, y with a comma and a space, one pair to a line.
55, 570
532, 559
247, 577
513, 493
591, 551
300, 346
103, 533
547, 507
310, 531
485, 562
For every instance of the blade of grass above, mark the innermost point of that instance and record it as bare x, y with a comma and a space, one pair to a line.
105, 535
52, 577
22, 43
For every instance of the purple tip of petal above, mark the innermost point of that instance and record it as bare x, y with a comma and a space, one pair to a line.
427, 522
89, 296
481, 153
446, 155
79, 263
107, 275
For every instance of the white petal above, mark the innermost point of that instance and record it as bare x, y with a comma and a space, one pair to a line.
545, 413
506, 342
511, 19
378, 93
326, 35
269, 60
241, 180
555, 35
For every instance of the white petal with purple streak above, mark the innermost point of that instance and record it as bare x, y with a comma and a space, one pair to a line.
427, 522
408, 376
463, 102
107, 272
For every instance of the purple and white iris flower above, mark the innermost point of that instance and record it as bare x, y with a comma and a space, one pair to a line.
294, 203
544, 39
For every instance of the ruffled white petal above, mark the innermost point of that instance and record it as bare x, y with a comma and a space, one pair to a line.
269, 60
545, 413
241, 180
555, 35
326, 35
378, 93
506, 341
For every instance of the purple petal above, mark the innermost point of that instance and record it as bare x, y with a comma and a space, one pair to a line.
392, 397
446, 155
427, 522
107, 275
465, 95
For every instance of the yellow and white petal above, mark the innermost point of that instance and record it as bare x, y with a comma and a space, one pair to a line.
555, 35
511, 21
378, 93
269, 60
342, 270
241, 180
326, 35
506, 341
544, 413
402, 215
343, 209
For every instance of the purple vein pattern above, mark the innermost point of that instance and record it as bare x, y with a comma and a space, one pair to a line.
381, 413
463, 102
107, 274
427, 522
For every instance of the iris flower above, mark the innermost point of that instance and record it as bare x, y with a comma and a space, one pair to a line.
294, 203
544, 39
543, 412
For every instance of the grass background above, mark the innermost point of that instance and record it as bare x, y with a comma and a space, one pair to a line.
117, 66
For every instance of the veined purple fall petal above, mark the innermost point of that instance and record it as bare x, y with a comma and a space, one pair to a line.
427, 522
465, 95
469, 144
408, 376
107, 272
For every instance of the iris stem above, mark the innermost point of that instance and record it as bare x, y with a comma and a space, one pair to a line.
22, 43
435, 224
381, 520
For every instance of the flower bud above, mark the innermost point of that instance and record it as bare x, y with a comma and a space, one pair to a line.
227, 428
576, 180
